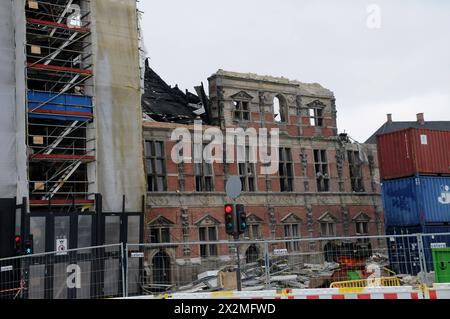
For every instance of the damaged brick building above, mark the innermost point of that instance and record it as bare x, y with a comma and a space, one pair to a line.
327, 185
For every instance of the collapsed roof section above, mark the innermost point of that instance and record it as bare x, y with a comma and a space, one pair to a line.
163, 103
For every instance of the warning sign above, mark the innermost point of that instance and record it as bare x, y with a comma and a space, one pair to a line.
61, 246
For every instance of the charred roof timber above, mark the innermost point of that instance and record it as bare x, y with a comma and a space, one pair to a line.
163, 103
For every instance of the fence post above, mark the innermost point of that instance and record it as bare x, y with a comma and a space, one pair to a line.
267, 264
422, 259
124, 253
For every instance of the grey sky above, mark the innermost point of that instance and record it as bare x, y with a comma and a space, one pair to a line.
402, 68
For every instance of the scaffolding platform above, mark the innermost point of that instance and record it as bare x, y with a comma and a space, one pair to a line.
59, 202
61, 123
61, 158
64, 107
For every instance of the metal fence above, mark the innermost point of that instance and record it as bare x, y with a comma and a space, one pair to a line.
131, 269
86, 273
396, 260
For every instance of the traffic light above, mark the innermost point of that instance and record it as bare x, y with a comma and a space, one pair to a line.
241, 219
18, 245
28, 246
229, 225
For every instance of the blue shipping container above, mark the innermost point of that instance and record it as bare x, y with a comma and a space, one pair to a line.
416, 201
404, 251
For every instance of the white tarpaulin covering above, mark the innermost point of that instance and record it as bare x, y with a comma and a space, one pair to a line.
120, 167
13, 181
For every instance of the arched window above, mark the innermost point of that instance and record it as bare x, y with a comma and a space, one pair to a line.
252, 254
280, 109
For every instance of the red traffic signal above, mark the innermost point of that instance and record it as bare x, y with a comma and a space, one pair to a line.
229, 219
18, 245
228, 209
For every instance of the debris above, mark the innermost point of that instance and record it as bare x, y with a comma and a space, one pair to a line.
163, 103
283, 274
409, 280
283, 278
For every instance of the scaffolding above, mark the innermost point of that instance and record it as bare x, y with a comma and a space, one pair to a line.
60, 122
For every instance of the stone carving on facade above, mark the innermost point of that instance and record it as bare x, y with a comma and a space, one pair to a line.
306, 185
345, 219
304, 161
298, 99
272, 220
185, 227
207, 221
220, 102
310, 220
157, 201
161, 221
291, 100
268, 183
181, 177
340, 160
291, 219
264, 98
205, 201
316, 104
242, 95
253, 219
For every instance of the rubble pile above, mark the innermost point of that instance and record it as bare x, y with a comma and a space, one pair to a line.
282, 275
408, 280
379, 259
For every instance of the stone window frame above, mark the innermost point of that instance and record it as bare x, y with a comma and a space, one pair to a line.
248, 177
153, 158
204, 175
361, 218
316, 113
286, 170
356, 172
321, 168
290, 223
241, 107
253, 221
208, 223
159, 224
327, 222
241, 111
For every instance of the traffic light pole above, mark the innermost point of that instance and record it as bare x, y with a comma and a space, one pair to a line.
238, 271
236, 245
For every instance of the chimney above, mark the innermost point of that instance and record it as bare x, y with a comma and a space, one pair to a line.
421, 119
389, 118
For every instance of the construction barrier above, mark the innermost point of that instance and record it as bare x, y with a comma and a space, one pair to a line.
406, 292
439, 291
384, 281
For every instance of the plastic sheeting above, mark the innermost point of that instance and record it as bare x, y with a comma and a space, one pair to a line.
120, 168
13, 182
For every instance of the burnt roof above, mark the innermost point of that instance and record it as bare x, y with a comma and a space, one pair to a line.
164, 103
390, 127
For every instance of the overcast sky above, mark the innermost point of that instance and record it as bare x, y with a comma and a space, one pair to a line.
402, 68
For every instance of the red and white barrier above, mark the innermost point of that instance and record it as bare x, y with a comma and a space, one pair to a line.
439, 291
404, 292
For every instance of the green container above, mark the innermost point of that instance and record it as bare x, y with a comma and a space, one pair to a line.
441, 261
